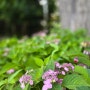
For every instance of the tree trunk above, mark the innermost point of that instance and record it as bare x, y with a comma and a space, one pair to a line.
74, 14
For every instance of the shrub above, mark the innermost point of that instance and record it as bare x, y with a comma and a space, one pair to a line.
46, 62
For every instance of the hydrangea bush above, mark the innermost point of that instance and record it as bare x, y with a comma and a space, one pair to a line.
55, 61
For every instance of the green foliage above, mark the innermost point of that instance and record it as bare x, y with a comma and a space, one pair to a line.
39, 62
82, 71
11, 79
72, 81
37, 74
83, 88
50, 65
39, 54
57, 87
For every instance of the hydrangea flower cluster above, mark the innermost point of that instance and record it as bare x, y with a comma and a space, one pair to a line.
10, 71
64, 68
49, 77
25, 79
52, 76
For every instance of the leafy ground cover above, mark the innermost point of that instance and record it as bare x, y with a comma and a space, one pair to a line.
57, 61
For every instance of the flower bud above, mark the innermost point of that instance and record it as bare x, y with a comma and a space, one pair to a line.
75, 60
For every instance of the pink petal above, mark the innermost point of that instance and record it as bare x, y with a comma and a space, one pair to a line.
22, 85
63, 73
47, 86
48, 81
66, 69
31, 82
44, 87
10, 71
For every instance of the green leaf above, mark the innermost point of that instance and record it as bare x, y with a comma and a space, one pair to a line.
46, 60
39, 61
72, 81
88, 70
84, 59
6, 67
27, 87
37, 74
55, 49
83, 88
50, 65
57, 87
81, 70
17, 87
30, 63
3, 82
11, 78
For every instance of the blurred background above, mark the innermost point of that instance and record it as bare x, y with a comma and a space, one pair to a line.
25, 17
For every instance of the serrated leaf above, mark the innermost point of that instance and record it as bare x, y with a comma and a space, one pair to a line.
88, 70
72, 81
83, 88
81, 70
84, 59
57, 86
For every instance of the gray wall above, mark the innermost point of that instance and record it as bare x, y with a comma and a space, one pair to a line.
74, 14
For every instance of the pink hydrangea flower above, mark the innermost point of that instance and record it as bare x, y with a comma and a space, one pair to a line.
68, 65
86, 52
47, 86
22, 86
66, 69
63, 72
53, 76
50, 74
57, 65
25, 79
10, 71
48, 81
49, 77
